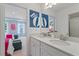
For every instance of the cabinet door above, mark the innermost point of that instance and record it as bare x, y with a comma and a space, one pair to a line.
32, 47
35, 47
44, 52
33, 50
37, 50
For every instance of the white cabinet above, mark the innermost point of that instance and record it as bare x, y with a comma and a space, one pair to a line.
47, 50
39, 48
44, 52
35, 47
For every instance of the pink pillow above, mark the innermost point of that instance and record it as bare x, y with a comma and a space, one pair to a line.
8, 36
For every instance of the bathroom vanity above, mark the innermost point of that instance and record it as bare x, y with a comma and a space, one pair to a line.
48, 46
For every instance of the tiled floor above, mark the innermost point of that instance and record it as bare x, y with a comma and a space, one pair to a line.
18, 53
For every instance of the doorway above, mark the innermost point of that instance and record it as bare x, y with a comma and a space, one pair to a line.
14, 30
74, 25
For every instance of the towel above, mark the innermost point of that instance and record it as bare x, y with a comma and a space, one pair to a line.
10, 47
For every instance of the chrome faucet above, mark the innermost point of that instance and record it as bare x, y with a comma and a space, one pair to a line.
63, 37
49, 34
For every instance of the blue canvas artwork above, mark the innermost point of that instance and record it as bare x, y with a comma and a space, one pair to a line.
34, 19
44, 21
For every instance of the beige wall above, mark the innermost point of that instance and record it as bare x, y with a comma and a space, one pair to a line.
2, 46
13, 11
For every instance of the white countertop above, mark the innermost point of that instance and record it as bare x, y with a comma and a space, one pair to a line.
72, 49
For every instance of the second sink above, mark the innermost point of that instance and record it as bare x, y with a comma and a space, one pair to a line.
59, 42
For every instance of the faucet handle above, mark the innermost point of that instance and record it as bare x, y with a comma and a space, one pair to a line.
63, 37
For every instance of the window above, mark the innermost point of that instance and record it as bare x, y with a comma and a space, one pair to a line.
21, 28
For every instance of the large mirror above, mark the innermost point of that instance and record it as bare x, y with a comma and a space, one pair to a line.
51, 24
74, 25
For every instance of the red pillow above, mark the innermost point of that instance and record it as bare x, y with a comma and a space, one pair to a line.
8, 36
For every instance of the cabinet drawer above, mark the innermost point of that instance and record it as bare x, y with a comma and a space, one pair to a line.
53, 51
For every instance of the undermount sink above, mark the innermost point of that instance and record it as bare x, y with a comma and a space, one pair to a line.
44, 35
60, 42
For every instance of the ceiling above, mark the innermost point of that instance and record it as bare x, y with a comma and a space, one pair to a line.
61, 6
56, 7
